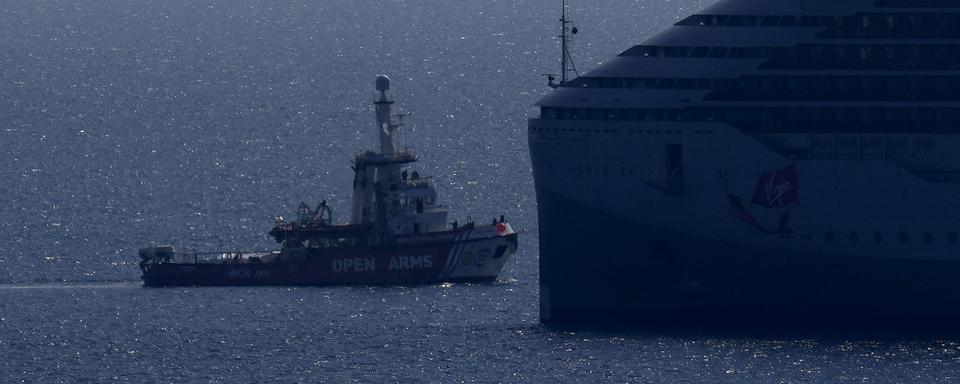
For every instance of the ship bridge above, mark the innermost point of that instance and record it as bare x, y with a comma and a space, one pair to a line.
400, 156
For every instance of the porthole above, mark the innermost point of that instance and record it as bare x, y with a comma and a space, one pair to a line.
829, 237
928, 237
878, 237
854, 237
953, 237
903, 237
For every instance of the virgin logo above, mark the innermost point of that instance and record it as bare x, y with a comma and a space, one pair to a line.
777, 188
775, 192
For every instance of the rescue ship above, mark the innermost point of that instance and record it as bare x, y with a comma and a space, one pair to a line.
397, 234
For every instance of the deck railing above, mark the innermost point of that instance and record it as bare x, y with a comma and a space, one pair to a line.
223, 257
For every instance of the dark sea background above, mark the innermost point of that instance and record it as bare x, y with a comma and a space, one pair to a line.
195, 122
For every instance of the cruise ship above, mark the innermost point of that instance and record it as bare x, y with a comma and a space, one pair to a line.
761, 159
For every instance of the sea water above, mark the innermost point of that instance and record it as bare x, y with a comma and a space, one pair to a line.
195, 123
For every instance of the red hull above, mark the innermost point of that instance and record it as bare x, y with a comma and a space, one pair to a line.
341, 266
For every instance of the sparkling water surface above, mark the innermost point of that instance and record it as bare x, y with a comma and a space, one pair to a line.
195, 122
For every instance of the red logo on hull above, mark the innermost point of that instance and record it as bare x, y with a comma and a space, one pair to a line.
777, 188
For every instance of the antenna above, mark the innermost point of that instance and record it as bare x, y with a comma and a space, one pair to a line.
401, 136
566, 61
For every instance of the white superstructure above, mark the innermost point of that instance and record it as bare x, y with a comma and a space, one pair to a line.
383, 192
807, 128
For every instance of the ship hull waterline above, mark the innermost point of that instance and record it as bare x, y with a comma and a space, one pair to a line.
639, 274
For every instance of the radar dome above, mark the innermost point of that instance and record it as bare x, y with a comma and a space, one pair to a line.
383, 83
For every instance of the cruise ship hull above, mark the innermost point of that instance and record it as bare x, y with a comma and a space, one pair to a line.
601, 267
758, 161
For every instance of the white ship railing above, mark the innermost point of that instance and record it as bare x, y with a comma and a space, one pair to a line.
223, 257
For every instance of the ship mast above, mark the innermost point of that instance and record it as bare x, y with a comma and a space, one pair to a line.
566, 61
371, 169
383, 117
